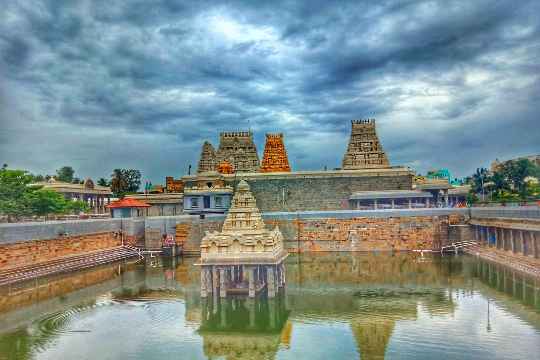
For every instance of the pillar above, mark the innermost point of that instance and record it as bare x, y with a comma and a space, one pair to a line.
375, 204
204, 289
497, 244
522, 242
476, 234
222, 283
250, 303
271, 282
410, 203
251, 279
535, 244
215, 280
427, 202
512, 241
446, 197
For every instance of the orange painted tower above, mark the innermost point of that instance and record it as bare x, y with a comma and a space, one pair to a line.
275, 156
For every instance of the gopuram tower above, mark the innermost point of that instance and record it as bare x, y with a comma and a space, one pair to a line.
207, 161
275, 156
245, 257
364, 150
238, 148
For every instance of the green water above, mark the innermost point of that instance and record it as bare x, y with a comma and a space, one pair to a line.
334, 306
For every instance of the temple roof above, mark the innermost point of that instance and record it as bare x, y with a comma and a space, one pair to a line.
127, 203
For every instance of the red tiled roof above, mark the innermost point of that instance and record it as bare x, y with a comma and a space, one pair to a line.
127, 203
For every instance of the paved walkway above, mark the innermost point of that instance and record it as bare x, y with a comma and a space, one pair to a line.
521, 263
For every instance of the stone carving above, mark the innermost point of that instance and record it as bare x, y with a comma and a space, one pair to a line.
207, 161
275, 156
364, 150
244, 235
236, 148
225, 167
245, 257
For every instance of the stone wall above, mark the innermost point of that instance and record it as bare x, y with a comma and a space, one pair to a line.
314, 190
27, 243
314, 231
35, 251
300, 194
363, 233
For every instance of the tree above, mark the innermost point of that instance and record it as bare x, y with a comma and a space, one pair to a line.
44, 202
499, 183
125, 181
479, 179
65, 174
77, 206
39, 178
515, 172
118, 183
15, 193
103, 182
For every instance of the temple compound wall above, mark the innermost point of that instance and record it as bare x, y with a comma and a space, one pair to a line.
23, 244
313, 190
314, 231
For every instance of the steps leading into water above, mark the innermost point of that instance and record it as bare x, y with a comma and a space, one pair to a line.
64, 265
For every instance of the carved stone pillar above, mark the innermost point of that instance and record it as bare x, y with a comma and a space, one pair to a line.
222, 283
271, 282
204, 289
251, 276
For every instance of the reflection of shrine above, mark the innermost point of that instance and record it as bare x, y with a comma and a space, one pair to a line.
244, 328
245, 257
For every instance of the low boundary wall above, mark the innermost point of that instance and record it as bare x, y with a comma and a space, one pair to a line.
340, 230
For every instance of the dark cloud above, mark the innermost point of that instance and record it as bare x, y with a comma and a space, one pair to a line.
105, 84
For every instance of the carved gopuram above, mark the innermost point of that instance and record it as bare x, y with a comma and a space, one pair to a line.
239, 149
207, 162
364, 150
245, 257
235, 148
275, 156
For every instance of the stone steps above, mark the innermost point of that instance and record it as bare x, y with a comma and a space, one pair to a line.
63, 265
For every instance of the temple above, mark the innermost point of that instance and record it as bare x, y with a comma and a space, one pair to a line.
207, 161
245, 257
364, 150
236, 153
275, 156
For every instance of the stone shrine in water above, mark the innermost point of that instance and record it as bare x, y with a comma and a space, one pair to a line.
245, 257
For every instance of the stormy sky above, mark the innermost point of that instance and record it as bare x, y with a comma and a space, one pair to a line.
141, 84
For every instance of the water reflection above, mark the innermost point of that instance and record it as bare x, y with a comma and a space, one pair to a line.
243, 327
333, 306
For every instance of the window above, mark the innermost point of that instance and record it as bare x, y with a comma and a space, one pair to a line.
218, 201
194, 202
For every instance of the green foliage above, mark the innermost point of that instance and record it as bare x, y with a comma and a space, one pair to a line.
77, 206
44, 202
125, 181
472, 198
515, 173
65, 174
103, 182
509, 182
479, 180
15, 193
18, 198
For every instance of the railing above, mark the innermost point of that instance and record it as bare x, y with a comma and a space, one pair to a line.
521, 212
